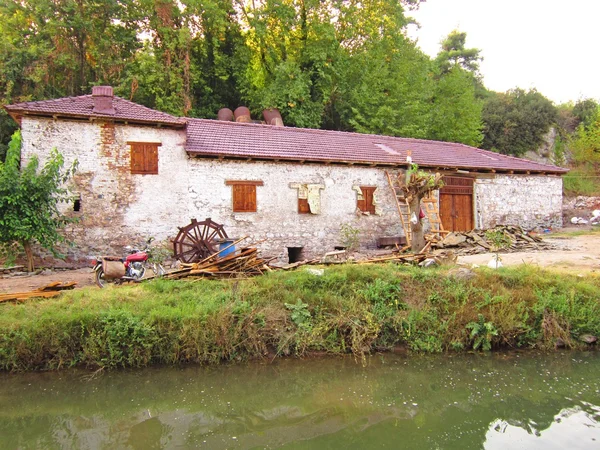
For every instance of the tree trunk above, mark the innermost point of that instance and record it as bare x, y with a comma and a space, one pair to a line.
29, 254
418, 236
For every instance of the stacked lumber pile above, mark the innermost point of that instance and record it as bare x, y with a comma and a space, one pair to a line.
51, 290
472, 242
244, 263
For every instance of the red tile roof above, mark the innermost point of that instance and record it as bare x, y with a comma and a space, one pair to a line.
244, 140
82, 106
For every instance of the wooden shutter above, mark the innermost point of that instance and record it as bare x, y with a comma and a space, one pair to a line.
151, 159
303, 207
243, 195
366, 205
137, 158
244, 198
144, 157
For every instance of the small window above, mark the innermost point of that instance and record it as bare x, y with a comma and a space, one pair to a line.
77, 204
303, 206
309, 197
244, 195
364, 200
144, 158
295, 254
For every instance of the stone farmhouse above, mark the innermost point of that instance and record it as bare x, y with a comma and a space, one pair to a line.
145, 173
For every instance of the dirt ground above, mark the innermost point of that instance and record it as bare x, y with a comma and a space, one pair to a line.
575, 253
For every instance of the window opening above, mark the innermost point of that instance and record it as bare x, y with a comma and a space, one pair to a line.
309, 197
295, 254
365, 200
77, 204
244, 195
144, 157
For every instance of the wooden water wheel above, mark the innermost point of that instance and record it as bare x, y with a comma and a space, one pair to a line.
198, 240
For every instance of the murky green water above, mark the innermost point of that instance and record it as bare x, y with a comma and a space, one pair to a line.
498, 401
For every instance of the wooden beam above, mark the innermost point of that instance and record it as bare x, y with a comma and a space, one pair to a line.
244, 182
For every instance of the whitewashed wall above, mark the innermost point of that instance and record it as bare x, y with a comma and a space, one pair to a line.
277, 219
118, 208
530, 201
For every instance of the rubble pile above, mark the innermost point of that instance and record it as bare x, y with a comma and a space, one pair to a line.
472, 242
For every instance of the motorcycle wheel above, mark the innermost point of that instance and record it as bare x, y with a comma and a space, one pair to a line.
100, 280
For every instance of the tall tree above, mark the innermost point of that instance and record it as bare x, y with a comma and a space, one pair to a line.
516, 121
454, 54
456, 112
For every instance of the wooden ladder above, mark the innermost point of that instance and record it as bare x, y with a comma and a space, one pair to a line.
432, 211
402, 205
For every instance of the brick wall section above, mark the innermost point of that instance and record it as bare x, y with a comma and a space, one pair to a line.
531, 201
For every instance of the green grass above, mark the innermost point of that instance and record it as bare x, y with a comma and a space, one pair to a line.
570, 234
350, 309
581, 180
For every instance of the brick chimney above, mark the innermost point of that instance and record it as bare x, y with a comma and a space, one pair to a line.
103, 100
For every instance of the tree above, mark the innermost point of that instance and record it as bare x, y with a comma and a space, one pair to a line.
516, 121
586, 111
585, 143
454, 54
29, 199
456, 112
417, 185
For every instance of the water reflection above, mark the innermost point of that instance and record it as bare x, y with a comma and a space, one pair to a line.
467, 401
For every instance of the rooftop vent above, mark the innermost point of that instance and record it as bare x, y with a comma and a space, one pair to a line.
103, 100
225, 114
242, 114
273, 117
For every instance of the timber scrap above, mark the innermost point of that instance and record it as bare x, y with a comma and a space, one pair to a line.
51, 290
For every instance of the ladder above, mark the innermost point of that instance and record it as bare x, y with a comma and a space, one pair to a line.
432, 211
402, 205
430, 204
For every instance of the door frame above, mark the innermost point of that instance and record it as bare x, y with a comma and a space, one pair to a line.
456, 186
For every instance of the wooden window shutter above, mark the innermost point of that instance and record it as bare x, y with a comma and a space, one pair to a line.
366, 205
137, 159
144, 157
244, 198
151, 159
303, 207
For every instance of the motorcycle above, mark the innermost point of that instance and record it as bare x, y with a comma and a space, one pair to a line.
111, 269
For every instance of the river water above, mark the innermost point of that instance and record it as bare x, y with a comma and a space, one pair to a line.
470, 401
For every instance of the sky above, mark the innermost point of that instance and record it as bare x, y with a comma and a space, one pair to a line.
550, 45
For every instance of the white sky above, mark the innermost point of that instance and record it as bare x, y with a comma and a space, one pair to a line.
550, 45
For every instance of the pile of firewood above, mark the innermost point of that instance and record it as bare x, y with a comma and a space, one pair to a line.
243, 263
467, 243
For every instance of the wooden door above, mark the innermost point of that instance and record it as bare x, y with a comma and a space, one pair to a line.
456, 204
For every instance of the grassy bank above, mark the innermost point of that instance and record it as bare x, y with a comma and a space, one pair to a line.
351, 308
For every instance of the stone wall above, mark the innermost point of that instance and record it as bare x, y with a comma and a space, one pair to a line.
277, 220
532, 201
117, 208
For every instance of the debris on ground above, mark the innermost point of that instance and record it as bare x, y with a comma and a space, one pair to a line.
242, 263
50, 290
472, 242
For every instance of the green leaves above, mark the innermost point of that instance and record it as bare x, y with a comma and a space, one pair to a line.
516, 121
29, 198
